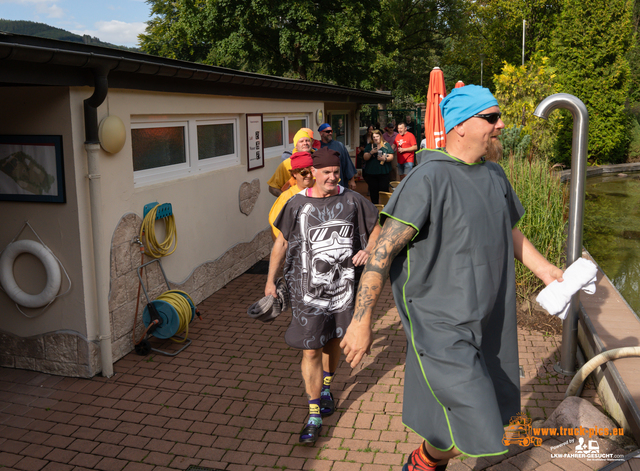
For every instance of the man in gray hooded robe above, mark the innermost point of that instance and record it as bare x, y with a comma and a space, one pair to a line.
448, 243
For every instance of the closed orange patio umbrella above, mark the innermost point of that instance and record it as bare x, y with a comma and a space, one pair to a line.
434, 124
459, 84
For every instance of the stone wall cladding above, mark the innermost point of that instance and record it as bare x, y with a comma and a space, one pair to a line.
203, 281
65, 353
68, 353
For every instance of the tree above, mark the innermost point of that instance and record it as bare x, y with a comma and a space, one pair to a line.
634, 64
371, 44
519, 89
324, 40
590, 47
494, 31
424, 26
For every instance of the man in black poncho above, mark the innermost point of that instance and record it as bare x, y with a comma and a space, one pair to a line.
326, 231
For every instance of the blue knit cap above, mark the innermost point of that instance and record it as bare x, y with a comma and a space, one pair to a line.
462, 103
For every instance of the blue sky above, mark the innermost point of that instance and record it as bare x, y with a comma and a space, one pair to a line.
114, 21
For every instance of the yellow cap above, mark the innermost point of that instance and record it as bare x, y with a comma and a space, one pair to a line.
299, 135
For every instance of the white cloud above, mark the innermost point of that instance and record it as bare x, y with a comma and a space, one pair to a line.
52, 11
116, 32
48, 8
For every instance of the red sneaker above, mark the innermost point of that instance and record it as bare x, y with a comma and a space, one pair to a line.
417, 463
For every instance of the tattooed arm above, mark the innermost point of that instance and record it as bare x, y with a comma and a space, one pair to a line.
358, 337
363, 255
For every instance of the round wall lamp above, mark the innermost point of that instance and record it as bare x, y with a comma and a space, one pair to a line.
112, 134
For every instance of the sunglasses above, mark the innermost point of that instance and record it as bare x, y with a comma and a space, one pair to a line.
304, 172
329, 131
491, 118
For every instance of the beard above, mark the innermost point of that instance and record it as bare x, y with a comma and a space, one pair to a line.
494, 151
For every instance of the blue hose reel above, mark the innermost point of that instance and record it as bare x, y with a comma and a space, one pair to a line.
162, 320
170, 321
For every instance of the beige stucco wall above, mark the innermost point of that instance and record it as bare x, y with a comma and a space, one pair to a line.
213, 234
40, 111
206, 205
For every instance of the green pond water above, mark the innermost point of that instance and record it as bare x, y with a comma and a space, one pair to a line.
612, 231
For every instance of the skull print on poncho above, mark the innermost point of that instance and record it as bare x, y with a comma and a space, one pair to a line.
326, 263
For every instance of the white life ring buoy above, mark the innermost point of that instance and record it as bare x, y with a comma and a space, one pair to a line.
9, 282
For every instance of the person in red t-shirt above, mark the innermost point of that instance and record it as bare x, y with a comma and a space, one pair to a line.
407, 147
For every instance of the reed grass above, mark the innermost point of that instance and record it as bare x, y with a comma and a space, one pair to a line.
544, 199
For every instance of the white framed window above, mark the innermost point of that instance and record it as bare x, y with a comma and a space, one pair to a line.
341, 126
274, 140
279, 131
294, 124
166, 149
217, 143
160, 150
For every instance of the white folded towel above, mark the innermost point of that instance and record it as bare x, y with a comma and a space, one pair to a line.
555, 298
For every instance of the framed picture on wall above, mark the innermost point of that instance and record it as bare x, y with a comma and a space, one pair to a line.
31, 169
255, 142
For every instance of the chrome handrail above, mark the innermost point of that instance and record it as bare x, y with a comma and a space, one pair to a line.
576, 212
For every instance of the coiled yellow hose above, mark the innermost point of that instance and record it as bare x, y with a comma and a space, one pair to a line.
178, 299
148, 231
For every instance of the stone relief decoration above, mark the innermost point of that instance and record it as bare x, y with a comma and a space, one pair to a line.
203, 281
249, 195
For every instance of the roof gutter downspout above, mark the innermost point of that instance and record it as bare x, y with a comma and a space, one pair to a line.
92, 146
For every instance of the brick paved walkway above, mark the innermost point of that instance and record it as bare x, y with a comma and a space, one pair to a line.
233, 400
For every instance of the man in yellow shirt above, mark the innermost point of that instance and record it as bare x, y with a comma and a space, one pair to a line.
302, 141
301, 163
